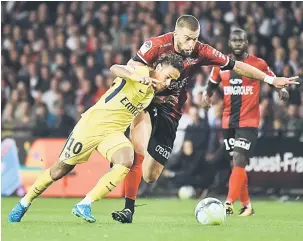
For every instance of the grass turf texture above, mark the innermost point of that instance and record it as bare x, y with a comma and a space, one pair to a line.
50, 219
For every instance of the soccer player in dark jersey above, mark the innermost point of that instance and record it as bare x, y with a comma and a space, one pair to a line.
153, 132
241, 116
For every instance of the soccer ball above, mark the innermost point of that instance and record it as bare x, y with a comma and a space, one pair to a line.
186, 192
210, 211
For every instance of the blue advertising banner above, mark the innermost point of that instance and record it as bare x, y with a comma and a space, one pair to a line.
10, 168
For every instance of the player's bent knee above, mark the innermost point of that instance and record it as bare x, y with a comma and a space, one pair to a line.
240, 159
139, 149
124, 157
138, 143
151, 169
59, 170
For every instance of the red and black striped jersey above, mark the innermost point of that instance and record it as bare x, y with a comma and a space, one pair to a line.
241, 95
203, 54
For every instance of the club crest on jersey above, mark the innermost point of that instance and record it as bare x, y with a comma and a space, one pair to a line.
146, 46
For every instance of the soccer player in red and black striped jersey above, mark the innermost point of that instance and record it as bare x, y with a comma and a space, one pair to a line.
241, 116
153, 132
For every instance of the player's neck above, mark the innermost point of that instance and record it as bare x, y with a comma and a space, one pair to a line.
240, 57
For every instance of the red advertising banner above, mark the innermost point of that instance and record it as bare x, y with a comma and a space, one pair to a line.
44, 152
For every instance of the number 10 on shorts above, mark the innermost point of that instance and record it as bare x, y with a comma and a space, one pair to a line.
71, 145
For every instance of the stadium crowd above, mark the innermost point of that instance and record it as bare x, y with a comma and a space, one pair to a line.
55, 61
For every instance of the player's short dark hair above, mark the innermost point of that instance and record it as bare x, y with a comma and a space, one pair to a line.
188, 21
172, 59
238, 31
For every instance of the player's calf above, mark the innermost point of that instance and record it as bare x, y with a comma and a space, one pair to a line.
239, 159
60, 169
151, 169
123, 160
57, 171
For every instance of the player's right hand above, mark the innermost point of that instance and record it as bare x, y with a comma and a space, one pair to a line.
149, 81
280, 82
206, 102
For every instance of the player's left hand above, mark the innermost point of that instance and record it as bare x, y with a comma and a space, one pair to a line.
206, 102
280, 82
283, 94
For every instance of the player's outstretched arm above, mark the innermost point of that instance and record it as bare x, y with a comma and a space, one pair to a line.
123, 71
210, 89
128, 72
249, 71
135, 63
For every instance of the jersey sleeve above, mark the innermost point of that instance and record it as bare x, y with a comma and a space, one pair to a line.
215, 75
211, 56
148, 51
141, 71
265, 68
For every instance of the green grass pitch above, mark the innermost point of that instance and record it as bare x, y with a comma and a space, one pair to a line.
50, 219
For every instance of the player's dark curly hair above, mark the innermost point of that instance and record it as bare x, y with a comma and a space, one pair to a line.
172, 59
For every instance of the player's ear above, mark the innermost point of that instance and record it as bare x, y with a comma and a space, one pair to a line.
175, 33
158, 67
229, 44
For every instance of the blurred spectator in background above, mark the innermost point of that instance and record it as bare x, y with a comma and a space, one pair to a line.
62, 124
65, 49
197, 130
293, 125
41, 128
52, 95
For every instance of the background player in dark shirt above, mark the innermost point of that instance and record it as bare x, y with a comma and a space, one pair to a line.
241, 116
153, 132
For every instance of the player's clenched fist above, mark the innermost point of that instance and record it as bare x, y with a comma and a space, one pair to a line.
283, 94
206, 102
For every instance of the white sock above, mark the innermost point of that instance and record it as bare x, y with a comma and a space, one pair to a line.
24, 202
249, 205
86, 200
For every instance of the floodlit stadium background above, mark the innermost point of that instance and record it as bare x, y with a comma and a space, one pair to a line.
55, 60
